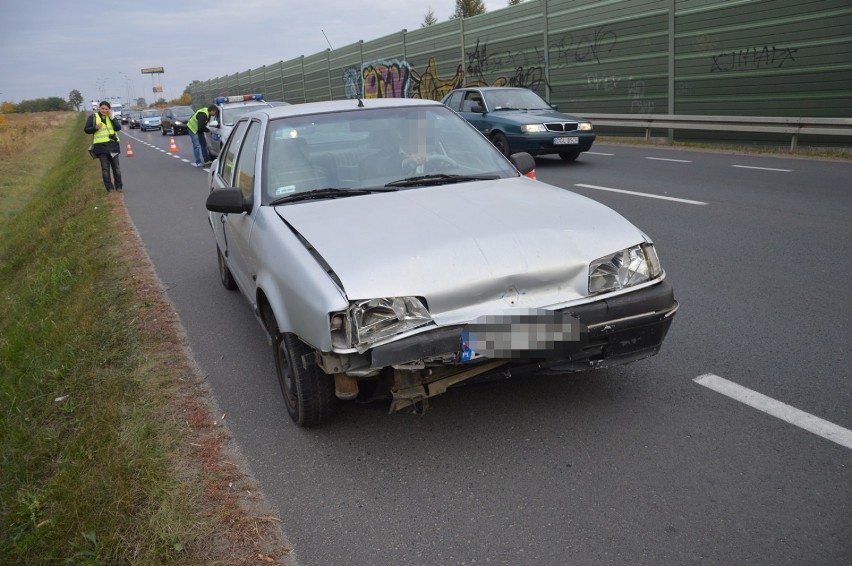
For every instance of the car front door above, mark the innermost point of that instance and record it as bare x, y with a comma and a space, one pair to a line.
237, 169
473, 101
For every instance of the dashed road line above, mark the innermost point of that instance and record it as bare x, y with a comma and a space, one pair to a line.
664, 159
762, 168
770, 406
681, 200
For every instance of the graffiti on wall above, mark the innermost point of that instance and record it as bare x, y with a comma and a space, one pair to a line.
753, 58
397, 78
386, 79
585, 48
527, 70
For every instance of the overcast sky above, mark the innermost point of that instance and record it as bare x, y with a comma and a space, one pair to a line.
51, 47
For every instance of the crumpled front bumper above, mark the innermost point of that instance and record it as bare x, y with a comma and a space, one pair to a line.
618, 330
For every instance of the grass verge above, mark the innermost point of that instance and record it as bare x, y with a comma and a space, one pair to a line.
110, 449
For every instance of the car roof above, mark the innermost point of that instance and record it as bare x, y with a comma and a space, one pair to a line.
243, 103
343, 106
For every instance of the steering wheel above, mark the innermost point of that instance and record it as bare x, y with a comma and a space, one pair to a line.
433, 163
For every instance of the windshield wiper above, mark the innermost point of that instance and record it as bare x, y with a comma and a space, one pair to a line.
438, 179
326, 193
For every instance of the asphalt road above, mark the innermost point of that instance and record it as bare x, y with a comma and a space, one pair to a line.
640, 464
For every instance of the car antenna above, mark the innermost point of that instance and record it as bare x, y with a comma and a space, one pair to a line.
360, 103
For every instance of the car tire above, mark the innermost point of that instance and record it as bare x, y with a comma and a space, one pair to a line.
569, 156
308, 392
225, 275
500, 142
163, 130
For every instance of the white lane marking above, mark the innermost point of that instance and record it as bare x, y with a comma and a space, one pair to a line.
762, 168
598, 153
185, 160
683, 200
664, 159
770, 406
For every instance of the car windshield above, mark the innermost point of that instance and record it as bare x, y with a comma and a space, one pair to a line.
515, 99
182, 112
229, 116
150, 114
410, 147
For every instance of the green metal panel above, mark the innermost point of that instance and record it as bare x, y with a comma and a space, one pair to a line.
294, 81
506, 51
317, 86
273, 82
740, 57
385, 73
435, 56
346, 72
609, 56
767, 58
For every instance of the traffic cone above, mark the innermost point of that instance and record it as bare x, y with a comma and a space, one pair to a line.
172, 146
129, 151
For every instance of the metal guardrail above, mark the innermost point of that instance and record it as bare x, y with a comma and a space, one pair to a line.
795, 127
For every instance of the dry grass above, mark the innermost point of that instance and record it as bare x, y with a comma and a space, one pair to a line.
111, 447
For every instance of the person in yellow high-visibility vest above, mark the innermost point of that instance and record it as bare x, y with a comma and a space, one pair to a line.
103, 127
197, 125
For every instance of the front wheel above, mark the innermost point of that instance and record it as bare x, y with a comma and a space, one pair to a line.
308, 392
569, 156
163, 130
500, 142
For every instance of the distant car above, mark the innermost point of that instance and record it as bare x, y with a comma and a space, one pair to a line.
133, 118
125, 115
149, 120
384, 244
231, 109
517, 119
173, 120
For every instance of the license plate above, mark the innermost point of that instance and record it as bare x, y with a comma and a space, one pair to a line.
522, 334
566, 141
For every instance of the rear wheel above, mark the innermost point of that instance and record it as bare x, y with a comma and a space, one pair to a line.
308, 392
225, 275
500, 142
569, 156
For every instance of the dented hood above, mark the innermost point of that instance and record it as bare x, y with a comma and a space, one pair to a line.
467, 248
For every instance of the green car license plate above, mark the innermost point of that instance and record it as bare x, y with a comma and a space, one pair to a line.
566, 141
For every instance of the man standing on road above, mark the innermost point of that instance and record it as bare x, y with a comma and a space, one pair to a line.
197, 125
103, 126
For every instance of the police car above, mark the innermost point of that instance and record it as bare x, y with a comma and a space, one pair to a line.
231, 109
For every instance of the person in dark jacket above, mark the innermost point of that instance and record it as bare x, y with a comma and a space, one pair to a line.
197, 126
103, 127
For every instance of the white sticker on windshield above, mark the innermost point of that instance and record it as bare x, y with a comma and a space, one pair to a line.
285, 190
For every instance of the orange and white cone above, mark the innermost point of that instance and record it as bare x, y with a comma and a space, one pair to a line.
129, 151
172, 146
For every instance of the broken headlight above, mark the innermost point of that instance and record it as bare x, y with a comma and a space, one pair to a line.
625, 268
372, 320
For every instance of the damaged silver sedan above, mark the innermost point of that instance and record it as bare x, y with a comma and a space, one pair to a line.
386, 245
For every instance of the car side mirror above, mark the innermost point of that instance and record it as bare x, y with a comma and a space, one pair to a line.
213, 123
227, 200
555, 106
523, 162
